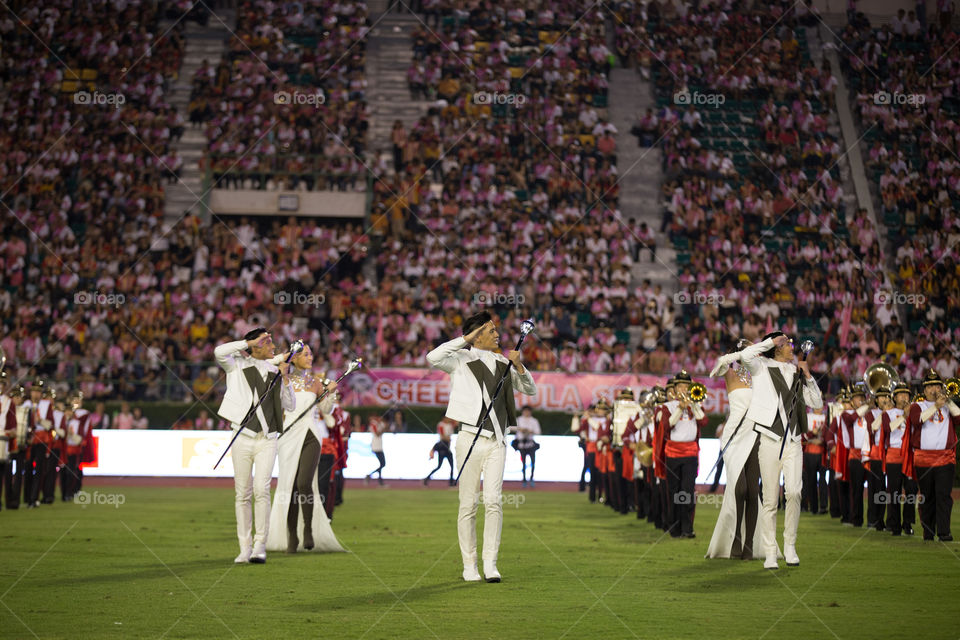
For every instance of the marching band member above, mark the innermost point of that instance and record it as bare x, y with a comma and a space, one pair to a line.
778, 411
636, 440
661, 501
17, 428
588, 426
296, 520
854, 432
735, 534
933, 438
39, 454
872, 452
7, 435
901, 488
604, 454
684, 420
330, 447
626, 411
837, 455
814, 464
76, 429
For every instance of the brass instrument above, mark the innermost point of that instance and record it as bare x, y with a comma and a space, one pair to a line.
698, 392
880, 376
952, 388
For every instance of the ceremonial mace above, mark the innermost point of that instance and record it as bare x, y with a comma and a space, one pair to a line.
526, 327
353, 366
805, 348
295, 348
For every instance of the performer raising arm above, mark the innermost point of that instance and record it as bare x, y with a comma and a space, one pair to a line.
473, 380
255, 450
778, 412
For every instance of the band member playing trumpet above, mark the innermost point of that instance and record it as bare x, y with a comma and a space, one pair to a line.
837, 459
684, 420
39, 455
735, 532
901, 488
17, 429
779, 414
626, 412
933, 438
872, 453
661, 502
854, 428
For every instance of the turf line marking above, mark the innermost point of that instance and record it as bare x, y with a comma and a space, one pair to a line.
565, 566
179, 579
829, 569
21, 621
190, 608
399, 599
629, 569
37, 561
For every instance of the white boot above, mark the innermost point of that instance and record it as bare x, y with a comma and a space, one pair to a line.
771, 562
790, 555
244, 556
259, 555
490, 571
470, 573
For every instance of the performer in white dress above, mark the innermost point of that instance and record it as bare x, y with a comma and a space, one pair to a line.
736, 533
298, 520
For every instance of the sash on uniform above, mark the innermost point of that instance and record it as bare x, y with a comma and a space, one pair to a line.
272, 408
788, 398
503, 408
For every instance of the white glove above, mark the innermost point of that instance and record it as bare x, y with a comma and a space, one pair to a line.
723, 363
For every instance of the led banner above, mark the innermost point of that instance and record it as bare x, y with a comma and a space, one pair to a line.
193, 454
556, 391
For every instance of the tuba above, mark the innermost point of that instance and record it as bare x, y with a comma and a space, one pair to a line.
880, 376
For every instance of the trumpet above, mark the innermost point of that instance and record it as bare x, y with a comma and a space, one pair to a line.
952, 388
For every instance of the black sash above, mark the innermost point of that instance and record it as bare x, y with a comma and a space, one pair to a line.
504, 408
271, 406
789, 398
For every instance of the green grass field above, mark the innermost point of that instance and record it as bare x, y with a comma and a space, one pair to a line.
160, 566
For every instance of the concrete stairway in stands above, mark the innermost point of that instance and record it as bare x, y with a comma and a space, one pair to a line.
202, 43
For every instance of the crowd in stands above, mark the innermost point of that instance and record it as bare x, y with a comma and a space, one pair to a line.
753, 196
904, 86
504, 194
285, 108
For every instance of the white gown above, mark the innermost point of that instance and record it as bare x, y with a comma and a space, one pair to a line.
288, 455
734, 460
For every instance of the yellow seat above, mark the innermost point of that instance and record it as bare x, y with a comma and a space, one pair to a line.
586, 139
68, 86
88, 74
516, 72
481, 46
71, 74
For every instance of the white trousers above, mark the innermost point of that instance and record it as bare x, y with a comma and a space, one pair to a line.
253, 460
488, 460
770, 468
